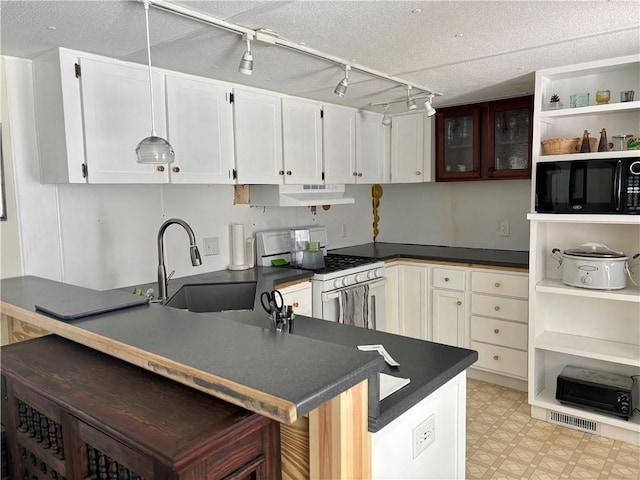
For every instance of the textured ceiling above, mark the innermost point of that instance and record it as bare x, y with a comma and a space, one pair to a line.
468, 50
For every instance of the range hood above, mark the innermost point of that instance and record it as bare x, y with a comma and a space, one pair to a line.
297, 195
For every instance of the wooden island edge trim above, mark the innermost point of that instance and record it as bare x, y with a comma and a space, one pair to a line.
256, 401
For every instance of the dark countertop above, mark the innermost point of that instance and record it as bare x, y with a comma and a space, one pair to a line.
306, 369
477, 256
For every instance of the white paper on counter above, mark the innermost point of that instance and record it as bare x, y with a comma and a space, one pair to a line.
390, 384
380, 349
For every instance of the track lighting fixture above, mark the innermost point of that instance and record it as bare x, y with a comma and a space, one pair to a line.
430, 111
341, 88
153, 149
386, 119
246, 62
411, 104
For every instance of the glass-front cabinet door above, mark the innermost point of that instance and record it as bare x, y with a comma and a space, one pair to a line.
484, 141
458, 143
509, 132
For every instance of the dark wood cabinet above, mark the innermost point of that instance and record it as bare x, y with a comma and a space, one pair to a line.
75, 413
485, 141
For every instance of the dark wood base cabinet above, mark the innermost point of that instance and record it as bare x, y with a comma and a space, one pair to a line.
71, 412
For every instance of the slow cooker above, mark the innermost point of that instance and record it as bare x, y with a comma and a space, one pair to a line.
593, 265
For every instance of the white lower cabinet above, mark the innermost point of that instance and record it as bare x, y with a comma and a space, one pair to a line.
448, 316
407, 300
299, 296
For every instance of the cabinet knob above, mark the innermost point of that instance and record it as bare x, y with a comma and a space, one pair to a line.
281, 172
176, 169
459, 302
418, 173
497, 284
296, 304
355, 174
359, 174
288, 172
496, 357
496, 308
475, 170
496, 331
446, 279
160, 168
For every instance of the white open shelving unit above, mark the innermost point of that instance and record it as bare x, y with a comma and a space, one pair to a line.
598, 329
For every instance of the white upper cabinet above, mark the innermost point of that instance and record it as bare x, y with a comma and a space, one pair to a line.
91, 113
258, 136
200, 129
339, 144
302, 141
372, 156
411, 141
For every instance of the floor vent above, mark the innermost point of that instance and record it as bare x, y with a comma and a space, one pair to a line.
572, 421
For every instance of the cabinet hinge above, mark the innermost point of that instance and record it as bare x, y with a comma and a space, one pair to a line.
85, 170
231, 97
234, 174
323, 176
78, 70
321, 113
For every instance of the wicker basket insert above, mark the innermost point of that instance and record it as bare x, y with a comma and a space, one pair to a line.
562, 146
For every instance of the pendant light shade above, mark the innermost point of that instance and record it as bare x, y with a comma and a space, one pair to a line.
153, 149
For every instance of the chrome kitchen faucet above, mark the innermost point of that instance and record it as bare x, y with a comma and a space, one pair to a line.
193, 251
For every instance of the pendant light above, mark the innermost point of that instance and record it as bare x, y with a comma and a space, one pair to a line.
428, 106
153, 149
246, 62
341, 88
386, 119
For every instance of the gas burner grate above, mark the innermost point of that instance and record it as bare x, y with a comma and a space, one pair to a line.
335, 263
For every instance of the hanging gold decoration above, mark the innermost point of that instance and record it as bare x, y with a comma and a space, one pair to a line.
376, 194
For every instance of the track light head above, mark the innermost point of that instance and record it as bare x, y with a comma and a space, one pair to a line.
430, 111
246, 62
341, 88
411, 104
386, 119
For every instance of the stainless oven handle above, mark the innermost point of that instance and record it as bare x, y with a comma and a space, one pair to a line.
333, 294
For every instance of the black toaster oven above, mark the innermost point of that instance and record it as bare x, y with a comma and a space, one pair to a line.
602, 392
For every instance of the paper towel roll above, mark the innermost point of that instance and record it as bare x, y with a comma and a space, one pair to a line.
237, 244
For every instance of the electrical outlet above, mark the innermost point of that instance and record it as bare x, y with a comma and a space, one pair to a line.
504, 228
211, 246
344, 229
424, 435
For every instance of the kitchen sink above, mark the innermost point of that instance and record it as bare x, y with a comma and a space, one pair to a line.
214, 297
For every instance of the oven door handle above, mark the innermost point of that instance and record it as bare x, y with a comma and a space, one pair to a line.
333, 294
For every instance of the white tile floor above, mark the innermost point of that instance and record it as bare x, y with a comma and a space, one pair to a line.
505, 442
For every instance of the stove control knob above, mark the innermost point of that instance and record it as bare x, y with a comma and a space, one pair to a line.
360, 277
586, 280
346, 281
337, 283
371, 274
377, 273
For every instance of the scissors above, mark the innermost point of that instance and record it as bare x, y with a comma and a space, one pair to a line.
272, 302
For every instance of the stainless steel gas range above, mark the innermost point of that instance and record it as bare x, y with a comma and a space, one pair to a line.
348, 288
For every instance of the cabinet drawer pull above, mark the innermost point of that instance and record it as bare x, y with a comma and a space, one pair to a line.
360, 174
459, 303
281, 172
496, 331
497, 284
288, 172
496, 357
160, 168
296, 304
418, 173
496, 308
446, 279
355, 174
176, 169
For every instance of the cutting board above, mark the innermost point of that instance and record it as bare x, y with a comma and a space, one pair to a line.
88, 302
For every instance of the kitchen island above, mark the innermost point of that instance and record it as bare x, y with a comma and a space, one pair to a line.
315, 373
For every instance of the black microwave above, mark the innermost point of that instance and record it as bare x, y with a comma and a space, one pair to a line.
588, 186
602, 392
